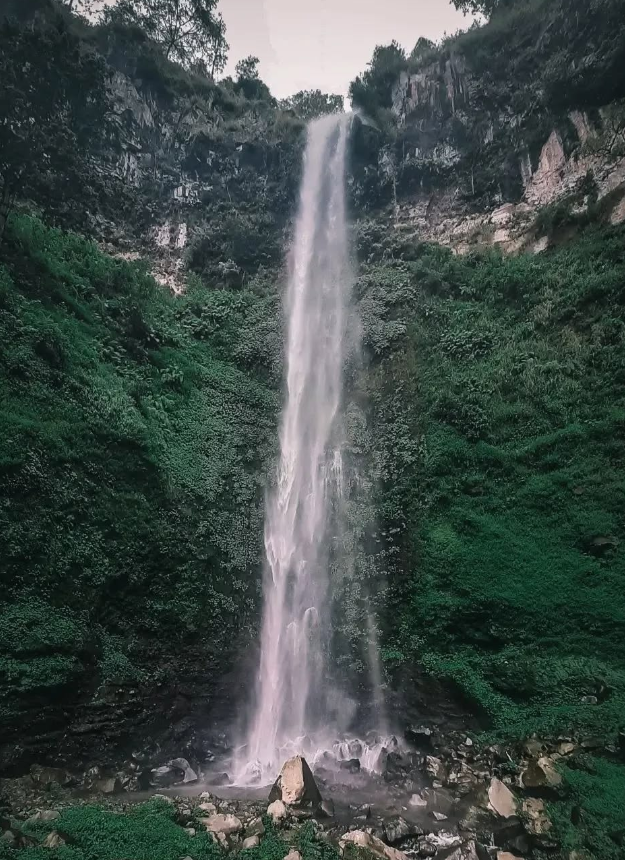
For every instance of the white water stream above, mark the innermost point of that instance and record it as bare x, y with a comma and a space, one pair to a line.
297, 708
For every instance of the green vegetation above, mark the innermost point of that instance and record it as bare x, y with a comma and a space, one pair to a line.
135, 428
149, 831
595, 801
499, 399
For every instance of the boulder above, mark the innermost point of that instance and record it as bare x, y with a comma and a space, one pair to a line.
398, 829
372, 844
183, 765
46, 776
420, 736
224, 825
296, 785
164, 776
435, 768
251, 841
53, 840
466, 851
506, 855
108, 785
537, 822
417, 800
541, 774
277, 811
500, 799
293, 855
218, 779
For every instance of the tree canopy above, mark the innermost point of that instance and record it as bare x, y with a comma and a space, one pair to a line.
49, 127
187, 30
309, 104
373, 89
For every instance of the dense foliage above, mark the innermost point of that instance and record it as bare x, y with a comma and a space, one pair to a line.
135, 430
498, 395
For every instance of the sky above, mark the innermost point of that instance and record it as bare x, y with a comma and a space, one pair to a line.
324, 44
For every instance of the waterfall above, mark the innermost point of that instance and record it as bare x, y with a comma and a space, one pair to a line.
296, 708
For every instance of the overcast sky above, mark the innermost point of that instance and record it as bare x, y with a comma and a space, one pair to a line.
324, 44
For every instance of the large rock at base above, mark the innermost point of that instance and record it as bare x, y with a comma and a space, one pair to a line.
296, 785
372, 844
500, 799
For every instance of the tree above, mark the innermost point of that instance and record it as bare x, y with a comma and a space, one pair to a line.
248, 81
309, 104
481, 7
53, 109
374, 88
247, 69
187, 30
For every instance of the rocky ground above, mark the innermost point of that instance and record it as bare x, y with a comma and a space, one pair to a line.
435, 795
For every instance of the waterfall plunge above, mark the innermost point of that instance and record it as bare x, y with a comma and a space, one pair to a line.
296, 706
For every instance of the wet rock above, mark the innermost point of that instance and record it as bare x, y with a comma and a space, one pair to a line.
372, 844
164, 776
277, 811
53, 840
44, 777
500, 799
533, 747
439, 816
251, 842
435, 768
398, 829
439, 799
326, 809
421, 737
417, 800
108, 785
352, 765
218, 779
296, 785
541, 774
443, 840
183, 765
225, 825
467, 851
255, 827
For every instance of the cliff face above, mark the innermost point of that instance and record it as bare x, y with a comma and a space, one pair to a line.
506, 120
